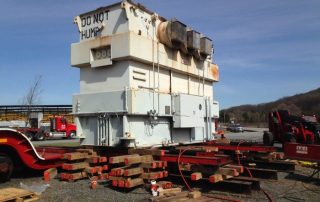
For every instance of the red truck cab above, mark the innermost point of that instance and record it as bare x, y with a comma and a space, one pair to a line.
60, 127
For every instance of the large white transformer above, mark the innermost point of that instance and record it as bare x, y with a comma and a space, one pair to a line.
144, 81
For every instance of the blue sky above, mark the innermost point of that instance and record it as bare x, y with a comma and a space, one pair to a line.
265, 49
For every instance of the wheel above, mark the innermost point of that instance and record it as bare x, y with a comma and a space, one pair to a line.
72, 134
29, 135
6, 168
268, 138
40, 136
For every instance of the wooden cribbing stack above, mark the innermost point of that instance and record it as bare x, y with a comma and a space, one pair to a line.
128, 171
84, 163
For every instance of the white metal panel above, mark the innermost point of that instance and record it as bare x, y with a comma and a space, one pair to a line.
115, 77
179, 83
189, 111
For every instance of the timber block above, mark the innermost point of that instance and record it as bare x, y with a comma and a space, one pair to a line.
134, 182
168, 191
90, 170
103, 159
50, 174
153, 152
93, 159
165, 184
194, 194
75, 156
240, 169
73, 176
75, 166
120, 159
215, 178
196, 176
133, 171
228, 171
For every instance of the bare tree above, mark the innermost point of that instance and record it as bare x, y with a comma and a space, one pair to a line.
32, 96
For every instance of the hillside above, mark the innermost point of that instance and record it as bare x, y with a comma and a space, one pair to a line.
305, 103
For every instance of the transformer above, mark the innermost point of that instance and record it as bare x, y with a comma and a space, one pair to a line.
144, 81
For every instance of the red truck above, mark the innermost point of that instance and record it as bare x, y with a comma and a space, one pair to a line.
59, 128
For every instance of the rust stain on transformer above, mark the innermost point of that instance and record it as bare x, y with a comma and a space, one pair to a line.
214, 72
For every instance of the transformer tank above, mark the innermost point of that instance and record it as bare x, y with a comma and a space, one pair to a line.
144, 80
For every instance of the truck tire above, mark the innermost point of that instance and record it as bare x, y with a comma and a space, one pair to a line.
268, 138
72, 134
40, 136
6, 168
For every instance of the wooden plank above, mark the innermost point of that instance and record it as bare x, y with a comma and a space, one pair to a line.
172, 190
133, 171
154, 175
11, 194
93, 159
88, 151
132, 160
134, 182
90, 170
120, 159
75, 156
196, 176
103, 159
175, 197
215, 178
153, 152
49, 174
194, 194
75, 166
228, 171
165, 184
149, 165
118, 178
73, 176
154, 164
239, 168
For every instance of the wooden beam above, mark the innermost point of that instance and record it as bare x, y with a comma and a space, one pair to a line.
194, 194
196, 176
228, 171
215, 178
50, 174
133, 171
153, 152
120, 159
172, 190
75, 156
75, 166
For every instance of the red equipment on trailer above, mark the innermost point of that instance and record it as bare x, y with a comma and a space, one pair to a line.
285, 127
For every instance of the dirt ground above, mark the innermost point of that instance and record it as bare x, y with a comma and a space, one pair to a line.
289, 187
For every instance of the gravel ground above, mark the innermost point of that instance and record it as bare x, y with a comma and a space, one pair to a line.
289, 187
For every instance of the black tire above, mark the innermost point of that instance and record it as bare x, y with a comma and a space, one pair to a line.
40, 136
6, 168
29, 135
268, 138
72, 134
